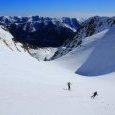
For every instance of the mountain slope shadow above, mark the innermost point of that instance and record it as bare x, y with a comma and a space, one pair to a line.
102, 59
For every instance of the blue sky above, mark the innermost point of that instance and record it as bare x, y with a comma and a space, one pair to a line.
57, 8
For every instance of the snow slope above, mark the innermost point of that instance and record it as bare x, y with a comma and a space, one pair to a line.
31, 87
101, 60
96, 55
7, 42
43, 53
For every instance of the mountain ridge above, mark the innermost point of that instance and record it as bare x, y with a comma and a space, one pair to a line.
40, 31
88, 28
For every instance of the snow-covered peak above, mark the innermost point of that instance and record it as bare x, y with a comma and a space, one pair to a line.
96, 24
71, 22
82, 19
39, 31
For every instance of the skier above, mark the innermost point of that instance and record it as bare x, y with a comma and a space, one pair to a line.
69, 86
94, 95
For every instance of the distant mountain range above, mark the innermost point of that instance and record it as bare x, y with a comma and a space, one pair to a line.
39, 31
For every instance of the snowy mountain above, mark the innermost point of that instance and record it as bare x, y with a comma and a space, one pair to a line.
82, 19
27, 26
88, 28
7, 41
39, 35
31, 87
72, 23
40, 31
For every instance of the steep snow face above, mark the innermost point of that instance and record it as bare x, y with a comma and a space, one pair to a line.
101, 59
96, 55
5, 34
6, 40
88, 28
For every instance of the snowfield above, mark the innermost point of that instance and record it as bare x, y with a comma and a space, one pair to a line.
32, 87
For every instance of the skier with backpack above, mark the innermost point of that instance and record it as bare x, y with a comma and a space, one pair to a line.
69, 86
94, 94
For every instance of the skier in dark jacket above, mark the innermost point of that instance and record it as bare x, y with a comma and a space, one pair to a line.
69, 85
94, 95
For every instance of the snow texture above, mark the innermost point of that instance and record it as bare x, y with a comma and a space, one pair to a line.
31, 87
